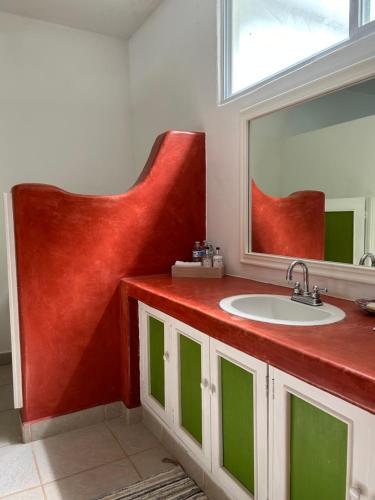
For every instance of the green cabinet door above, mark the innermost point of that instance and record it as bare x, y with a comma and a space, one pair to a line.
190, 390
339, 237
191, 373
318, 453
321, 446
237, 415
156, 359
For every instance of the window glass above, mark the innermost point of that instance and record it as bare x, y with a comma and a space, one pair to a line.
269, 36
368, 11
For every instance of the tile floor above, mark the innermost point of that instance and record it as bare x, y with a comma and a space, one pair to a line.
77, 465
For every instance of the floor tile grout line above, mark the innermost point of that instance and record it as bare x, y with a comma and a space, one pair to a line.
5, 497
159, 445
38, 471
136, 469
137, 452
128, 456
67, 431
116, 439
125, 456
81, 471
86, 470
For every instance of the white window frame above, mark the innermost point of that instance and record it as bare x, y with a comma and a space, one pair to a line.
356, 31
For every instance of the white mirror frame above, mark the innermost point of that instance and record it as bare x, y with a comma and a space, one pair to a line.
329, 83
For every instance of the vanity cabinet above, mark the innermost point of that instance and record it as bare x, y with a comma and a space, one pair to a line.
213, 397
259, 432
320, 445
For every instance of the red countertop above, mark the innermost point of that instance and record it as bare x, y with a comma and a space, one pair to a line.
339, 358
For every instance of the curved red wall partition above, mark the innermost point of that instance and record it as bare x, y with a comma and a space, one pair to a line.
72, 250
292, 226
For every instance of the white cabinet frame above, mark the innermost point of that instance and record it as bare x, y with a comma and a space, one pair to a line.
361, 435
202, 453
166, 413
260, 386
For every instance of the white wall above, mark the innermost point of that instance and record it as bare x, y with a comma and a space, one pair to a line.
329, 160
319, 145
63, 116
173, 82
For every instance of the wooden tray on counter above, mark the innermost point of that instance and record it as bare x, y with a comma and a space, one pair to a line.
197, 272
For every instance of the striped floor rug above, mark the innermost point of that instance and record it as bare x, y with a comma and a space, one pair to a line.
171, 485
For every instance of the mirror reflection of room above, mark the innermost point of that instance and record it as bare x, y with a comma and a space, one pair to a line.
312, 171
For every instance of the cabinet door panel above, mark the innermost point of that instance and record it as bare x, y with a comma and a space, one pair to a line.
318, 453
239, 422
156, 361
190, 390
155, 370
320, 446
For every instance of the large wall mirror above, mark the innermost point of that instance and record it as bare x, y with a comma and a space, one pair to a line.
311, 178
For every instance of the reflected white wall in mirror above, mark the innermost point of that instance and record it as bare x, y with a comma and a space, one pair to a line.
326, 144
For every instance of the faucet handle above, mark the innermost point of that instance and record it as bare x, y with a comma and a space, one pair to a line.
297, 290
317, 290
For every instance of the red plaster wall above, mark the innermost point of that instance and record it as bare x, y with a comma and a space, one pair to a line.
292, 226
71, 252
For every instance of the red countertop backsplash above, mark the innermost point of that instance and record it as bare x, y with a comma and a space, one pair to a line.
339, 358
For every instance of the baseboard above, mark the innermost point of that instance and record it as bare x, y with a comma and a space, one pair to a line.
193, 468
32, 431
5, 358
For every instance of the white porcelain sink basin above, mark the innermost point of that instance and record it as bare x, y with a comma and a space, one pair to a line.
280, 310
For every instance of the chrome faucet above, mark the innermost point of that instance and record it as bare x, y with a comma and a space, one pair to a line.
304, 296
366, 256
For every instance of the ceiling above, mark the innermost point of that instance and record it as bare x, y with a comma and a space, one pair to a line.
110, 17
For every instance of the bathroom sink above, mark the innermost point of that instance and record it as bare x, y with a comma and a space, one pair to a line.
280, 310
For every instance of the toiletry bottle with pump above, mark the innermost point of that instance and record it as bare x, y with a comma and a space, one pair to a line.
210, 247
217, 259
207, 259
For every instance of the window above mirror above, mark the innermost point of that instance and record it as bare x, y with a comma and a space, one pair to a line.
266, 39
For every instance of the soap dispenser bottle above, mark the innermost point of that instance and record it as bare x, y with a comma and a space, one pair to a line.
207, 259
217, 259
